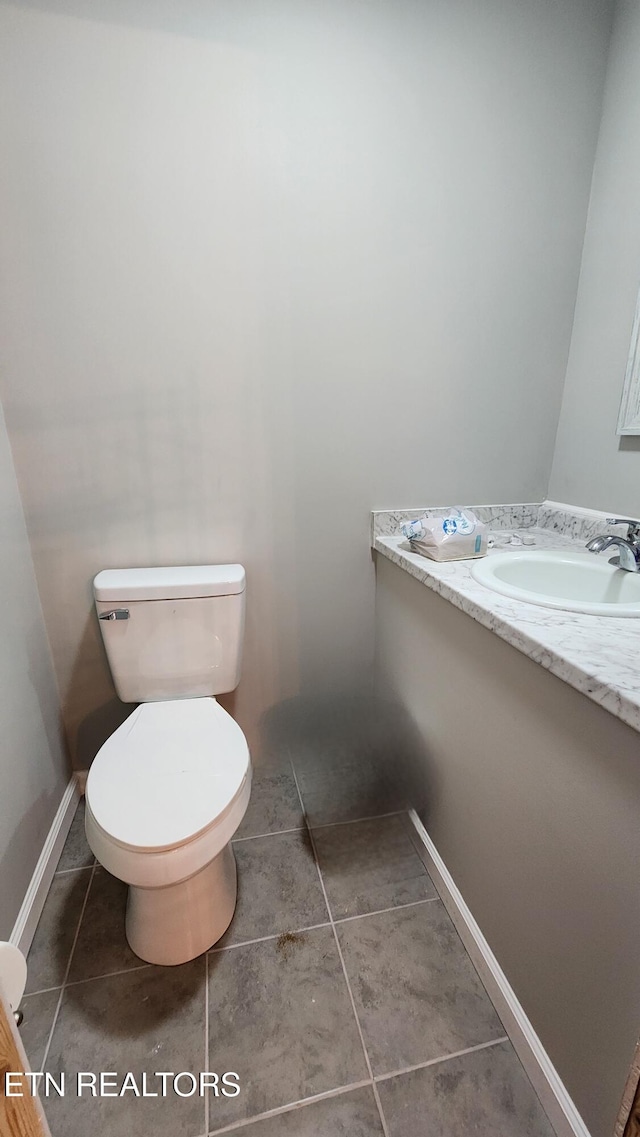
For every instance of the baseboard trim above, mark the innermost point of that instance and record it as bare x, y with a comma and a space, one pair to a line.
544, 1077
33, 903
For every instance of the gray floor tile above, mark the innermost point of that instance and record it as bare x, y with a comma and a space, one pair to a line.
49, 953
370, 865
280, 1016
102, 946
278, 887
38, 1011
147, 1020
274, 804
416, 991
354, 1114
76, 853
486, 1093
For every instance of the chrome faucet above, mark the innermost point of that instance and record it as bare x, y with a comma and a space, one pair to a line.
628, 557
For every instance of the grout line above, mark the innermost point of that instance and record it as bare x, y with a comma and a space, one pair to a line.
352, 820
315, 856
78, 868
290, 1107
344, 969
42, 991
276, 833
107, 975
442, 1058
383, 1120
230, 947
141, 967
380, 911
68, 968
272, 936
206, 1036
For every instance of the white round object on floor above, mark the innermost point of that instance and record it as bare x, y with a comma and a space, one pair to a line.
13, 974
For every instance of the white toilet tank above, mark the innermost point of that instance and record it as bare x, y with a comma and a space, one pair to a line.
172, 633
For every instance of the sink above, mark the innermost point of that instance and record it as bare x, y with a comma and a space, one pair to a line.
574, 581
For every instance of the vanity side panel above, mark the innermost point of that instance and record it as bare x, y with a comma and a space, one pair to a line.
531, 794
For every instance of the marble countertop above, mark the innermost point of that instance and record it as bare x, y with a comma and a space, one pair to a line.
598, 655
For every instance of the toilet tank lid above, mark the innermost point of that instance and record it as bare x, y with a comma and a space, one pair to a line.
176, 583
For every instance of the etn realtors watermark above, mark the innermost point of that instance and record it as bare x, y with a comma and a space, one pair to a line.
110, 1084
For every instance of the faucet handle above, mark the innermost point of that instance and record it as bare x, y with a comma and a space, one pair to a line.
633, 527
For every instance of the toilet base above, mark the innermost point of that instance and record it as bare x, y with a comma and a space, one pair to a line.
175, 923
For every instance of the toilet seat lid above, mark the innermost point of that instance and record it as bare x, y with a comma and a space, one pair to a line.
167, 773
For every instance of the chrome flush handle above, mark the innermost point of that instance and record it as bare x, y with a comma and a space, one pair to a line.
115, 614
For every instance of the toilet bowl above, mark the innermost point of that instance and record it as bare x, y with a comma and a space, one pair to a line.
164, 797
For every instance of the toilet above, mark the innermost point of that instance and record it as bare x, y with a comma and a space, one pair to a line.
167, 791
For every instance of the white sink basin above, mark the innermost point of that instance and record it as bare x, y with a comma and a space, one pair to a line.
574, 581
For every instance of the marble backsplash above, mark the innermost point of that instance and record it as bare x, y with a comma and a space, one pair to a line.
579, 524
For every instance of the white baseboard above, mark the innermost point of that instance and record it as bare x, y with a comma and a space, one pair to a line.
543, 1075
33, 903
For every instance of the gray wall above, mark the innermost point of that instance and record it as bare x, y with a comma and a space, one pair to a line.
270, 265
33, 769
592, 465
532, 798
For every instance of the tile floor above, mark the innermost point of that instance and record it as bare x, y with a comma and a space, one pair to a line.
341, 995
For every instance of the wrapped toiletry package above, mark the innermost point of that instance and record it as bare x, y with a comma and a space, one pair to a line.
458, 536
